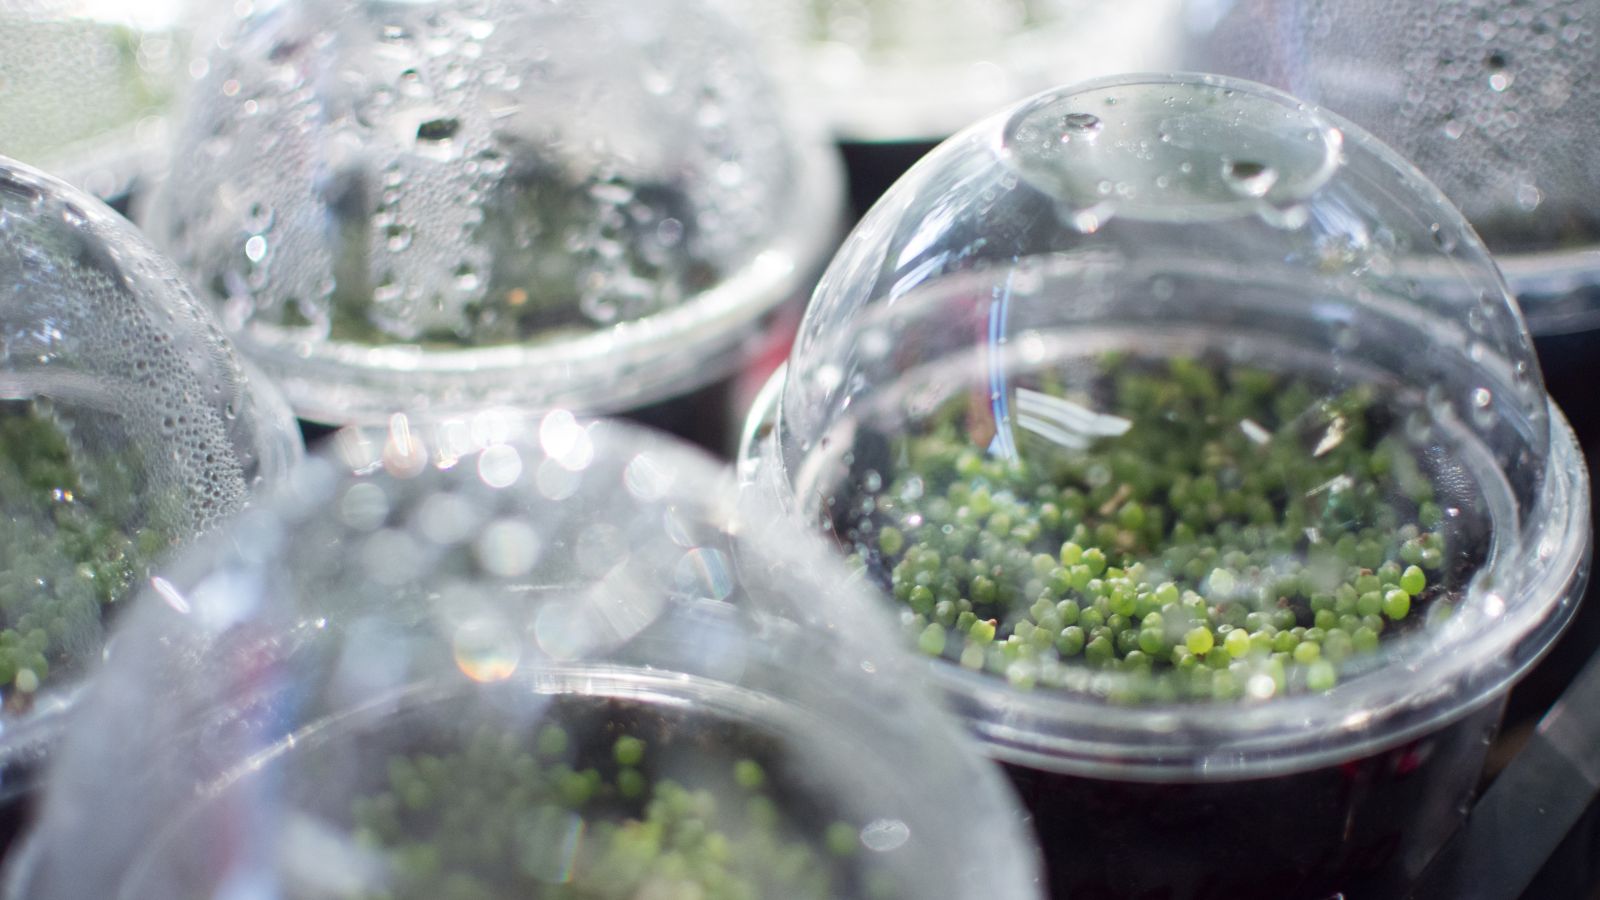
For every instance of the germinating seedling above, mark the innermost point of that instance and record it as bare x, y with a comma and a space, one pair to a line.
545, 818
67, 550
1228, 532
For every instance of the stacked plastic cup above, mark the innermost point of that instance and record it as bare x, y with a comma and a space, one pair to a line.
1194, 436
482, 659
128, 427
452, 205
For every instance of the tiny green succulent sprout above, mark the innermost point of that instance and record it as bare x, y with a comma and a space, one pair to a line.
1237, 520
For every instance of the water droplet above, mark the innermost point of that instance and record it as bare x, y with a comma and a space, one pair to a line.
1481, 398
438, 129
1079, 126
1443, 238
508, 548
883, 835
1529, 197
397, 238
255, 249
1248, 177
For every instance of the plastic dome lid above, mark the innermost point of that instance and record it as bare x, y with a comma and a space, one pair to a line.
86, 85
895, 70
1495, 104
505, 658
456, 204
127, 427
1169, 389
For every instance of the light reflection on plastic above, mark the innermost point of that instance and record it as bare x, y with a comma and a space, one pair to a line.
500, 466
170, 594
404, 455
703, 572
486, 650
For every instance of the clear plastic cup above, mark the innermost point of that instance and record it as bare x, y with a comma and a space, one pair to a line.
452, 205
919, 70
85, 86
491, 660
1197, 436
128, 427
1496, 105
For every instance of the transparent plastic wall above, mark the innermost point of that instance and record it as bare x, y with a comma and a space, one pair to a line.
85, 86
511, 657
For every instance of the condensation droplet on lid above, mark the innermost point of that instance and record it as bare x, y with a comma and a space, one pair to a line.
1529, 197
500, 466
364, 506
884, 835
255, 249
1080, 126
446, 519
508, 548
390, 556
1248, 177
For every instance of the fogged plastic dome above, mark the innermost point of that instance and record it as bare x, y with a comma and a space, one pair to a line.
127, 427
515, 662
467, 202
1165, 389
1495, 102
922, 69
85, 85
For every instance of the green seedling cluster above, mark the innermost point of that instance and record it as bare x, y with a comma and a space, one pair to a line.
63, 559
564, 259
1244, 535
501, 818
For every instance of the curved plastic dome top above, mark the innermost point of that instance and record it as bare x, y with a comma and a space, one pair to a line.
516, 659
127, 427
1171, 387
464, 203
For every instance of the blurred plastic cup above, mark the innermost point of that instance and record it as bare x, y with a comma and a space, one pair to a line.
496, 660
445, 206
1198, 438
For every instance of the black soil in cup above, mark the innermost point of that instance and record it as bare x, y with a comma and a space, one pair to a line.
1363, 828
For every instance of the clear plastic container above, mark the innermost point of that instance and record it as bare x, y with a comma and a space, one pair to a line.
911, 70
1198, 437
85, 86
128, 427
450, 205
1495, 103
495, 660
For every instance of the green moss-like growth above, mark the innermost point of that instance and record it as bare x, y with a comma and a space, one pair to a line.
1227, 532
65, 554
559, 817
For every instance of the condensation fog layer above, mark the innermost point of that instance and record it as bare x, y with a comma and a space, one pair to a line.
130, 424
460, 173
